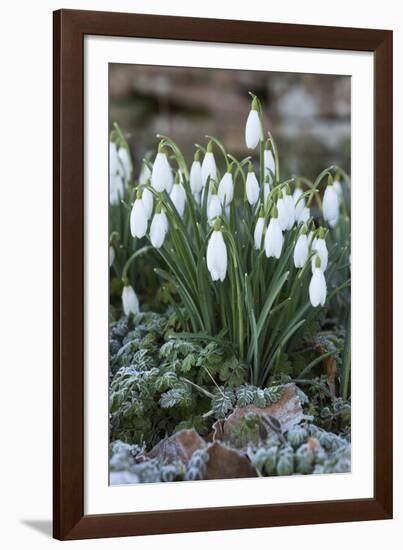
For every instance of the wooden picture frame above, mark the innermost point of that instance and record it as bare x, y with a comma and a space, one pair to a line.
70, 27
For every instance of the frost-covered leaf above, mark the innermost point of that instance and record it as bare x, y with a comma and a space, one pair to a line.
223, 402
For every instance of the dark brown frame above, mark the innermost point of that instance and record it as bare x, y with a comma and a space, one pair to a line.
70, 27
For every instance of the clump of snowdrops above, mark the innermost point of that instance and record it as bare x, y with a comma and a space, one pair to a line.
245, 251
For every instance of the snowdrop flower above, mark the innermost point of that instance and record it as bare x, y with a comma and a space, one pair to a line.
178, 196
282, 213
111, 255
217, 259
302, 212
252, 186
331, 204
138, 216
226, 188
196, 183
338, 187
208, 168
259, 228
161, 175
319, 246
266, 190
145, 174
269, 162
130, 301
301, 249
317, 286
116, 185
148, 202
273, 240
126, 163
159, 227
289, 205
213, 207
253, 128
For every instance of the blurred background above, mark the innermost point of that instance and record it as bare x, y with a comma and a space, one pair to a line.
308, 115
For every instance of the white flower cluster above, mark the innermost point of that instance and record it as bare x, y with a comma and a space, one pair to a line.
280, 209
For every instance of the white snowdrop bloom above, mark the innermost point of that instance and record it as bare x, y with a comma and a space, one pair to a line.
253, 128
252, 187
145, 174
317, 286
195, 177
130, 302
290, 208
273, 240
213, 208
208, 167
178, 197
126, 163
338, 188
259, 228
269, 162
266, 191
299, 202
197, 198
111, 255
331, 205
226, 189
148, 202
301, 250
304, 215
282, 213
138, 217
217, 259
159, 228
161, 176
116, 184
319, 246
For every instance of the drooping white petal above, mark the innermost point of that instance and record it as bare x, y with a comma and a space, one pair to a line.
253, 131
304, 215
331, 205
317, 288
161, 176
130, 301
289, 205
269, 164
126, 163
319, 246
116, 188
258, 233
252, 188
148, 202
301, 251
196, 183
266, 191
178, 197
273, 240
208, 168
158, 229
299, 202
217, 259
226, 189
111, 255
213, 208
113, 159
282, 214
145, 174
138, 219
338, 188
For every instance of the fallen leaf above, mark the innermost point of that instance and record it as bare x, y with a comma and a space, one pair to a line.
226, 463
278, 417
179, 446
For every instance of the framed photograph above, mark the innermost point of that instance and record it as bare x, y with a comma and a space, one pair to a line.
222, 274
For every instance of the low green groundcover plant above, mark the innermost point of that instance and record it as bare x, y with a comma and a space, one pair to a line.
243, 280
